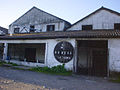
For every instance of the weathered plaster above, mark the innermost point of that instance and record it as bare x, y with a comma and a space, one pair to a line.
39, 19
100, 20
50, 60
114, 54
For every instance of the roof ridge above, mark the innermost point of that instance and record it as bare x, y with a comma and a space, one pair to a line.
3, 27
101, 8
41, 11
51, 14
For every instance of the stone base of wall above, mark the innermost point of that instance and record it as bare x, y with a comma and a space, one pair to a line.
114, 74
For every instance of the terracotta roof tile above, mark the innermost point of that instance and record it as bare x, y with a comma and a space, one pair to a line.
67, 34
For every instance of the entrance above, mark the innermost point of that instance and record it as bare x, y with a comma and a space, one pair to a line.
30, 54
1, 50
92, 58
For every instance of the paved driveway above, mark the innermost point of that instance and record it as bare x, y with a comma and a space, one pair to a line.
28, 80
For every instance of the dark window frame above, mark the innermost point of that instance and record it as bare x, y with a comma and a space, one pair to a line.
117, 26
50, 27
87, 27
32, 28
16, 30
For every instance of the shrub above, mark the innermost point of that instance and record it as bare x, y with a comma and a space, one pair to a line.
59, 70
2, 62
46, 69
115, 77
13, 64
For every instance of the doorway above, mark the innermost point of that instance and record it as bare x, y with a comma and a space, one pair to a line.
30, 54
1, 50
92, 58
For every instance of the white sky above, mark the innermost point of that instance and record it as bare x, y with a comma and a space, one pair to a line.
70, 10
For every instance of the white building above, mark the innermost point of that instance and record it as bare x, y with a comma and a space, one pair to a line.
3, 31
36, 20
90, 46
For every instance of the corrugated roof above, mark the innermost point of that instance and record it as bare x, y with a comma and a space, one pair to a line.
66, 34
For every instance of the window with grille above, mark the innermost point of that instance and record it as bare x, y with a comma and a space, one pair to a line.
32, 28
16, 30
87, 27
50, 27
117, 26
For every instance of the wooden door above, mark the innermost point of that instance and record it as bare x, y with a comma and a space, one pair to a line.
30, 54
92, 61
99, 62
82, 62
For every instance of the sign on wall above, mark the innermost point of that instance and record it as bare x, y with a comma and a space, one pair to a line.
63, 52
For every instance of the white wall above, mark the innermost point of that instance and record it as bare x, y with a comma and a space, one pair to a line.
39, 27
50, 60
39, 19
114, 54
100, 20
1, 32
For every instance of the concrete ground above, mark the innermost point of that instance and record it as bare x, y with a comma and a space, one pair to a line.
12, 79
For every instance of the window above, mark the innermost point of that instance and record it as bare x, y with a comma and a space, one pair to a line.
117, 26
50, 27
87, 27
32, 28
16, 30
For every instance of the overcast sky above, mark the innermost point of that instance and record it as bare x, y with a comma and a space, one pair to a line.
70, 10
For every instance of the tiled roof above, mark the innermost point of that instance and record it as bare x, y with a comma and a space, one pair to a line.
66, 34
4, 30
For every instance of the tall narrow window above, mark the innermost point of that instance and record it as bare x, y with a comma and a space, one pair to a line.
87, 27
117, 26
16, 30
32, 28
50, 27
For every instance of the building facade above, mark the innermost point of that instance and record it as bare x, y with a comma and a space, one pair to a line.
3, 31
89, 47
36, 20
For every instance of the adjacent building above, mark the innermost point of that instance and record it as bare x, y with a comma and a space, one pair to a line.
3, 31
